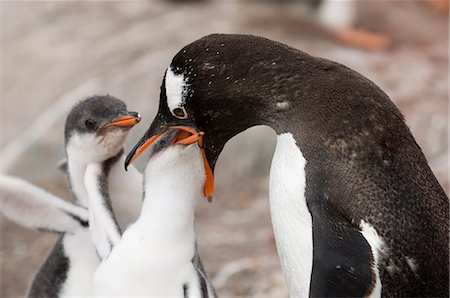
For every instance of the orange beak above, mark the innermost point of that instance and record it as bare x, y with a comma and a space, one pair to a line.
145, 145
208, 188
125, 121
186, 136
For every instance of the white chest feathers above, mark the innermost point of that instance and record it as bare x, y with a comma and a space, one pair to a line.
154, 255
83, 262
139, 265
291, 219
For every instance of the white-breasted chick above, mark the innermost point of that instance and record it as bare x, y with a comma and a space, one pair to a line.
95, 131
157, 255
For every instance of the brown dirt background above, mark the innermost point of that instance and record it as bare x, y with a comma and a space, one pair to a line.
55, 53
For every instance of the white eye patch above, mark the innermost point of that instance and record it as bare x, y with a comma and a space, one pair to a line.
175, 93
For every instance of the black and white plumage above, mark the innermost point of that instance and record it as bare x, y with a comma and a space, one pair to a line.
95, 131
33, 207
157, 255
355, 207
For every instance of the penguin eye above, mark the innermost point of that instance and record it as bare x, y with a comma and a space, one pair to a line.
90, 124
179, 113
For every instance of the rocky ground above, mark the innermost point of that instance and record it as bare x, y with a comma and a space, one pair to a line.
54, 53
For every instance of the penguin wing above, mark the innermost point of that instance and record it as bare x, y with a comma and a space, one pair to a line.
343, 263
105, 231
207, 289
33, 207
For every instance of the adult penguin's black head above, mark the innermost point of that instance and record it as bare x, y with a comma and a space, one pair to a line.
220, 85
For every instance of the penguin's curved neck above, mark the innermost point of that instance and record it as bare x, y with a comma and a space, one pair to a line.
168, 210
173, 185
157, 253
76, 168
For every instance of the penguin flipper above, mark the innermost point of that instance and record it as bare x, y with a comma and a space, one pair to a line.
208, 290
343, 263
33, 207
105, 231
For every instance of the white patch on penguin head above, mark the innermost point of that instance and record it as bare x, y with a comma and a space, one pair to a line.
92, 147
176, 93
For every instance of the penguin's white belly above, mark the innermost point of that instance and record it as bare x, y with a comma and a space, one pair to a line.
83, 262
291, 219
141, 265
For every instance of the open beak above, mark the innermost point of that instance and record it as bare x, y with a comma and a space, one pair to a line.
129, 120
185, 135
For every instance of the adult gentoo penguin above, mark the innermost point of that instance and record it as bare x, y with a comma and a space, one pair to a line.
95, 131
355, 208
157, 255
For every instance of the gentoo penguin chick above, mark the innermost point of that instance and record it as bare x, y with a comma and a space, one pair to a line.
95, 131
33, 207
356, 209
157, 255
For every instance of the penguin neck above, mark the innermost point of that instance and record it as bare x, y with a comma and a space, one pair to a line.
173, 186
76, 168
168, 208
316, 100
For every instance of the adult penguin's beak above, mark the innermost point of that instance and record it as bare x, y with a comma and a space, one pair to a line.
183, 135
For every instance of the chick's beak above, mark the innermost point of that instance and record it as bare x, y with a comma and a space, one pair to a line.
128, 120
185, 136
